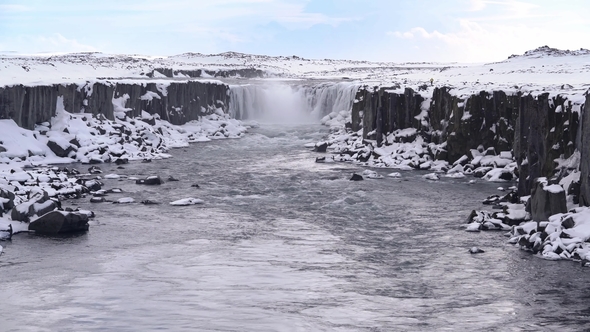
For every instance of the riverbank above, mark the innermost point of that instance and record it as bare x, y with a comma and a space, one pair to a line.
32, 182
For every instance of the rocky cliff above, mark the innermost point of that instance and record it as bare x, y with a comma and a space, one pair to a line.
177, 102
537, 129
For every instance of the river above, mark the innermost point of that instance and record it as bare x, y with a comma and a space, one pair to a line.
283, 244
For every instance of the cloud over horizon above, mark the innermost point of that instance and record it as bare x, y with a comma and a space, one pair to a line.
380, 30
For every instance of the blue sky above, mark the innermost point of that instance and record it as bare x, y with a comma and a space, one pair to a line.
379, 30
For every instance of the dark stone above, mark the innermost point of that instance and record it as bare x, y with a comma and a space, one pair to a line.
94, 170
574, 191
194, 185
356, 177
320, 159
480, 172
150, 180
506, 175
58, 150
511, 197
56, 222
6, 234
545, 203
171, 178
321, 147
492, 199
91, 185
568, 223
149, 202
520, 231
96, 199
10, 196
476, 250
121, 161
38, 204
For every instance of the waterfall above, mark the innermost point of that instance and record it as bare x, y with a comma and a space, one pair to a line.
280, 102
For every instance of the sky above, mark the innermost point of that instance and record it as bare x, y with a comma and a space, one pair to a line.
375, 30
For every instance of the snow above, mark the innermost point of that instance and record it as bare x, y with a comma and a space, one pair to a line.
431, 176
554, 188
187, 201
371, 174
545, 71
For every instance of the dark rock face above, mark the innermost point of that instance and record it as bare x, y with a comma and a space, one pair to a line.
585, 154
177, 102
545, 203
383, 111
538, 129
243, 73
56, 222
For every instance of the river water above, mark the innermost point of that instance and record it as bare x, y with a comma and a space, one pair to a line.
283, 244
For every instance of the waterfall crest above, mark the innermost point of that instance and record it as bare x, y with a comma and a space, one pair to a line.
289, 102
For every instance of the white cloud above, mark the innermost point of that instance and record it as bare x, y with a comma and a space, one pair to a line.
54, 43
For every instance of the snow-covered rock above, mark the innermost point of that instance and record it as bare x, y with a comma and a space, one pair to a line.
187, 201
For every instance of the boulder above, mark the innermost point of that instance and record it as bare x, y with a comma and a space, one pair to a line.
56, 222
59, 150
480, 172
149, 202
150, 180
7, 199
97, 199
38, 204
476, 250
321, 147
94, 170
547, 200
121, 161
90, 184
356, 177
568, 223
171, 178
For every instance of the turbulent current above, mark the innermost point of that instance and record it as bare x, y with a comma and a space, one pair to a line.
283, 244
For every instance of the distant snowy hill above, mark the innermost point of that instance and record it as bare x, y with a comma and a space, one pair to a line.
544, 69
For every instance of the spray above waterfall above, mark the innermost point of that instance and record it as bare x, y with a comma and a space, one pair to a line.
287, 103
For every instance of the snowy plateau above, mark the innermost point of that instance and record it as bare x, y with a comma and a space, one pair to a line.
520, 122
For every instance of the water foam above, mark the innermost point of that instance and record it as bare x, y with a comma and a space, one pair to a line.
289, 103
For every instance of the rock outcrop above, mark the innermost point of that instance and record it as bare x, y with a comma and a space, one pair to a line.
177, 102
538, 129
547, 200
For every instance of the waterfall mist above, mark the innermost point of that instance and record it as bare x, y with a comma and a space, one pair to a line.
286, 103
